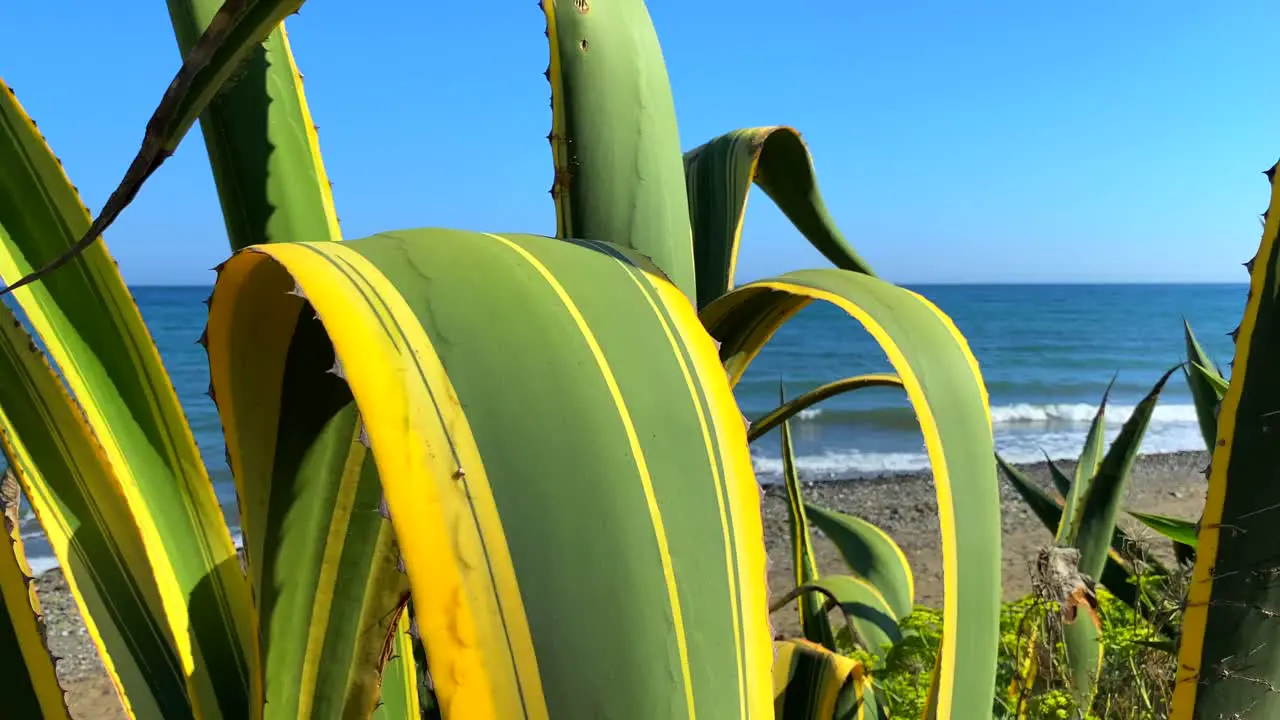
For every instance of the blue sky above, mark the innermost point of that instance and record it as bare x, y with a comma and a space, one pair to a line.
955, 142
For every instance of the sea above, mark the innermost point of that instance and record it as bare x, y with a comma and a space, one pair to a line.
1047, 353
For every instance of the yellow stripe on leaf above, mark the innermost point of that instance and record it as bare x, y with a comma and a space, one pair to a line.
810, 681
615, 477
31, 683
78, 500
411, 416
399, 688
743, 494
1227, 666
323, 607
944, 387
739, 504
655, 515
650, 293
95, 336
718, 178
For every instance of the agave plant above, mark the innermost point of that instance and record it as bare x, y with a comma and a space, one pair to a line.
1208, 387
531, 440
1228, 661
1084, 523
874, 598
815, 675
1207, 384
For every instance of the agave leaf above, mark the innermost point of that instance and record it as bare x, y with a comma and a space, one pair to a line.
427, 702
614, 137
1047, 508
318, 546
80, 505
398, 699
810, 681
1101, 505
487, 501
799, 404
945, 389
96, 337
1060, 479
237, 29
1227, 663
1182, 532
1204, 391
1163, 645
871, 554
719, 175
869, 703
261, 141
867, 613
1196, 353
1086, 471
31, 686
1216, 382
1084, 651
813, 683
813, 618
1115, 576
1082, 638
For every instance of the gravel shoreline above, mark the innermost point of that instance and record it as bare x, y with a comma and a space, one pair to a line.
904, 505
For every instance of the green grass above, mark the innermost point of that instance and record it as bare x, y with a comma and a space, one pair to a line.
1135, 683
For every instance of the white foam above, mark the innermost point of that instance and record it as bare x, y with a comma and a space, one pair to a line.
1013, 445
844, 462
1021, 413
41, 565
809, 413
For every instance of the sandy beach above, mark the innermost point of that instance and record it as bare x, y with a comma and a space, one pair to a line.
904, 505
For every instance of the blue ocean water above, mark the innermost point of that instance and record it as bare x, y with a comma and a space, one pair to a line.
1046, 354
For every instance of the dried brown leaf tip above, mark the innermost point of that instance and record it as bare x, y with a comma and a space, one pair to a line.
1081, 598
